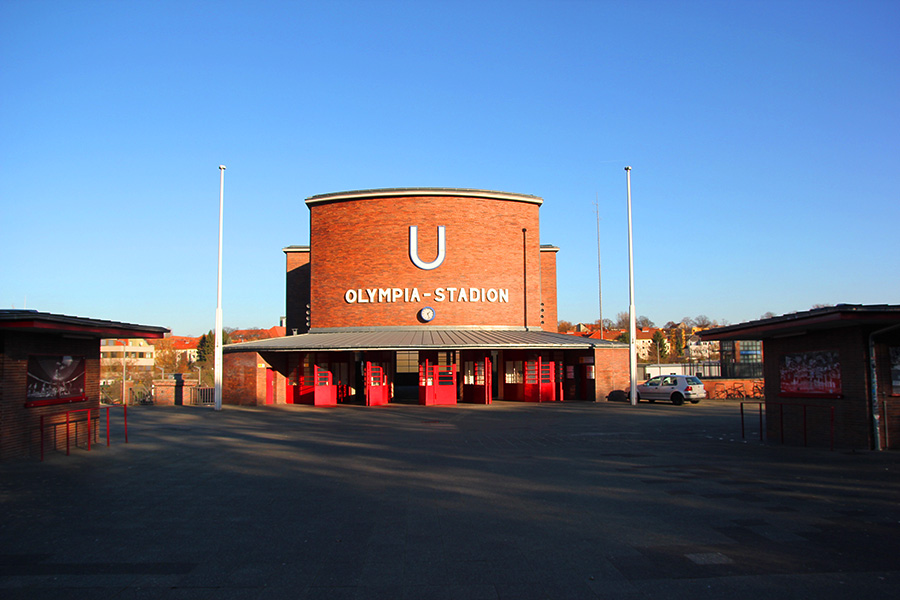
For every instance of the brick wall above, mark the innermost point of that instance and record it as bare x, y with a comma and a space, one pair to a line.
363, 244
297, 288
851, 410
548, 289
243, 381
20, 431
611, 371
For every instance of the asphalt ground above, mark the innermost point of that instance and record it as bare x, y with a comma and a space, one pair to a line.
520, 501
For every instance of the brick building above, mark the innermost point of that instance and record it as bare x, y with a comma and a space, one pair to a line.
430, 294
50, 365
830, 373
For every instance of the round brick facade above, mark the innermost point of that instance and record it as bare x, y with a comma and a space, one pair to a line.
364, 275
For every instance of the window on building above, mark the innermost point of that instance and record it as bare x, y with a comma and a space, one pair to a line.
741, 359
407, 361
307, 370
515, 372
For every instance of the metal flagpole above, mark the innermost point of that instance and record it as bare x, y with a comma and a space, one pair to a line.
218, 360
599, 268
632, 329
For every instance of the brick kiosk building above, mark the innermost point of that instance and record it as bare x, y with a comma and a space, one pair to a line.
839, 360
50, 364
431, 294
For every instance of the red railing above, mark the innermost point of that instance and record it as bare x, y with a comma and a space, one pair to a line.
90, 433
781, 406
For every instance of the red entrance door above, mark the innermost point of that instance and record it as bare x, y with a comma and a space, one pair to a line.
437, 384
540, 381
325, 392
548, 382
477, 384
270, 386
377, 390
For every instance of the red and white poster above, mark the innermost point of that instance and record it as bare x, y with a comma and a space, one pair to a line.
55, 377
811, 374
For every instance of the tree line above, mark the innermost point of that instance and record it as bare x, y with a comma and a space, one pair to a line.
622, 322
668, 343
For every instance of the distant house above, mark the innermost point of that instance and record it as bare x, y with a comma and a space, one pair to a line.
643, 339
138, 354
185, 346
251, 335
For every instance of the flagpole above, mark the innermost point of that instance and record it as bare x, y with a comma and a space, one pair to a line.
218, 359
632, 329
599, 268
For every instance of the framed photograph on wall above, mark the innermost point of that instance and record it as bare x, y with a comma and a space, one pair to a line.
55, 379
811, 374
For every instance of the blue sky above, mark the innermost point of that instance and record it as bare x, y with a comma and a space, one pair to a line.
764, 139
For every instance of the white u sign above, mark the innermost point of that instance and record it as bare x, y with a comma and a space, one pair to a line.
414, 249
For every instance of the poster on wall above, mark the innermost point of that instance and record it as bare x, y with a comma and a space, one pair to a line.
811, 374
55, 378
895, 369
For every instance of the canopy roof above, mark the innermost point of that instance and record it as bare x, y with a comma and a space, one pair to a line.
41, 322
421, 339
432, 191
829, 317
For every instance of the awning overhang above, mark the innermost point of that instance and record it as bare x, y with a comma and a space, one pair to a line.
397, 339
49, 323
819, 319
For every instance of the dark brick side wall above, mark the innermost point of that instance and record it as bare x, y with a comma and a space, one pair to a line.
297, 289
548, 290
784, 414
20, 431
363, 244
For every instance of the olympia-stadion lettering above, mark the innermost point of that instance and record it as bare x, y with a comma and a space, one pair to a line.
441, 294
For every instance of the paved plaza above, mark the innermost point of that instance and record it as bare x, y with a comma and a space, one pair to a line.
507, 501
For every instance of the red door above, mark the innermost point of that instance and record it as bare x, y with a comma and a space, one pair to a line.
477, 384
531, 389
437, 384
540, 381
377, 390
548, 381
445, 391
270, 386
325, 392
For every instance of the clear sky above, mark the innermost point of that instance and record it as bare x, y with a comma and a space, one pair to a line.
764, 138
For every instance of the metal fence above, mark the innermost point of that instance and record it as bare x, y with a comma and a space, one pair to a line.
703, 370
203, 396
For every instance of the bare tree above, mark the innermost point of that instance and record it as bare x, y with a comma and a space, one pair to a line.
165, 356
702, 321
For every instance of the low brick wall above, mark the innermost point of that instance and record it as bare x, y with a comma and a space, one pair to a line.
720, 389
172, 392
